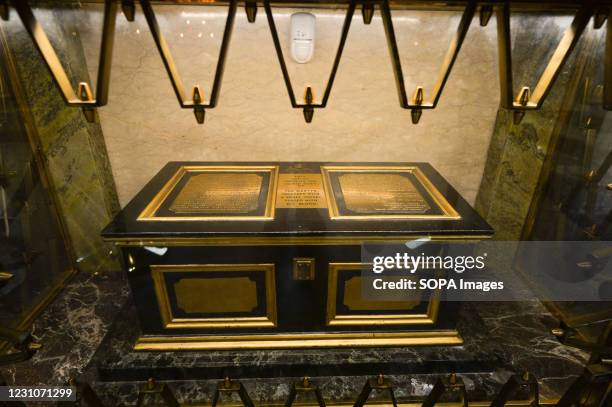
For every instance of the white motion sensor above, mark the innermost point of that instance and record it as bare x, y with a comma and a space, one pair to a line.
302, 37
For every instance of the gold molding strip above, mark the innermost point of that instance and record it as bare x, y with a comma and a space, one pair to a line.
289, 341
448, 212
282, 241
170, 322
430, 317
148, 214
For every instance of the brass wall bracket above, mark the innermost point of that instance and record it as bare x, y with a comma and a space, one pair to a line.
22, 343
450, 384
367, 11
5, 277
196, 102
417, 104
305, 387
250, 7
229, 387
380, 383
486, 11
129, 9
151, 389
83, 97
309, 104
513, 385
600, 17
528, 99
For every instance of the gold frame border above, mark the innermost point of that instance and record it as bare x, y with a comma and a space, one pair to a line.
449, 213
301, 340
332, 319
282, 241
148, 213
170, 322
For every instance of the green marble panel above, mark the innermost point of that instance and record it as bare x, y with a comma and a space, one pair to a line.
74, 149
517, 152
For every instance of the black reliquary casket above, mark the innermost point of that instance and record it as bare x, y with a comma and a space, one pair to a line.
224, 255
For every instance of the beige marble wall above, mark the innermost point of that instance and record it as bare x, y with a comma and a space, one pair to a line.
144, 127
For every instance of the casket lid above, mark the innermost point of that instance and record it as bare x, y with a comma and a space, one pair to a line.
283, 203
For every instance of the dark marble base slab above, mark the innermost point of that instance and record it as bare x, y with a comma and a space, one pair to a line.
513, 337
115, 360
500, 339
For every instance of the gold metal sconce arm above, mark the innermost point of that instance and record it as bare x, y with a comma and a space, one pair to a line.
196, 102
418, 103
309, 105
528, 99
250, 8
83, 97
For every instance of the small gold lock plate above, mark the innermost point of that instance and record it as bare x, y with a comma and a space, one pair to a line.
303, 268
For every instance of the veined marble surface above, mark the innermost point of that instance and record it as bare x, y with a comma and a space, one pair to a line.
144, 127
500, 339
71, 329
513, 337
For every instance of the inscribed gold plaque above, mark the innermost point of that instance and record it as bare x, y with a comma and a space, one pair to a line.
219, 193
381, 193
354, 301
216, 295
300, 191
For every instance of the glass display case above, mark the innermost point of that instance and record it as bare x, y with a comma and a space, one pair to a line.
36, 256
405, 196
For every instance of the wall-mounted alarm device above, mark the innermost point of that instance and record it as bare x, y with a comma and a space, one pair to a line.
302, 37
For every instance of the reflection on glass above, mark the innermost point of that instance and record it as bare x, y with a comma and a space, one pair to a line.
34, 258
